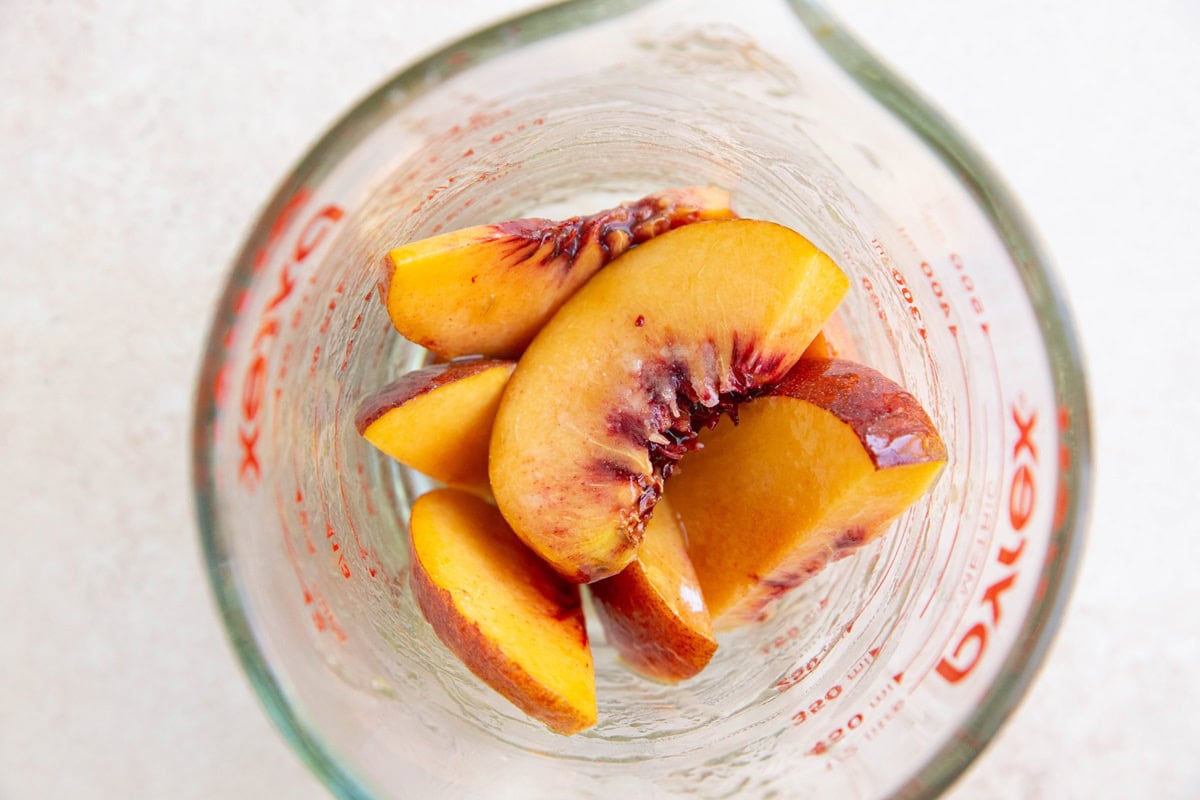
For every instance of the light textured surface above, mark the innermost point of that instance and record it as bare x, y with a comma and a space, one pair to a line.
136, 142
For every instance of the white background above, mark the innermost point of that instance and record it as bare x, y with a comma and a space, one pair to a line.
137, 141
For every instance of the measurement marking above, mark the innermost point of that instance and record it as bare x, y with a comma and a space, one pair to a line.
803, 671
302, 513
906, 293
962, 361
862, 664
836, 735
283, 361
779, 641
876, 300
988, 509
954, 541
362, 478
322, 616
293, 558
331, 619
322, 501
889, 716
363, 553
818, 705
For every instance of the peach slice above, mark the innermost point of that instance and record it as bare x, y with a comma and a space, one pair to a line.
614, 388
511, 619
438, 420
817, 468
819, 347
653, 611
490, 288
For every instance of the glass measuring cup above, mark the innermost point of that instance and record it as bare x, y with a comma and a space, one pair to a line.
885, 674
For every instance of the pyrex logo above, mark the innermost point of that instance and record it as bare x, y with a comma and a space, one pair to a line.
1022, 500
254, 378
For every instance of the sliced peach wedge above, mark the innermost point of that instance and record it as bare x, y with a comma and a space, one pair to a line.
820, 466
438, 420
512, 620
819, 347
489, 289
615, 387
653, 612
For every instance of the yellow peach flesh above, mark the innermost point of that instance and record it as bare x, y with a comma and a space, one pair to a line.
658, 341
510, 618
798, 482
439, 420
653, 612
489, 289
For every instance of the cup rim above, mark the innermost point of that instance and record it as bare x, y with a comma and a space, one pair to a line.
1026, 656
